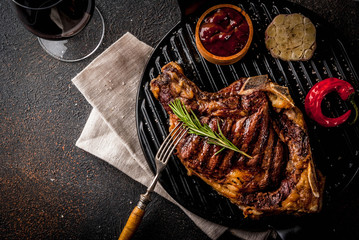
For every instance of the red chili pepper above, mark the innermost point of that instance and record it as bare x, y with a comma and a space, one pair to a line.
316, 95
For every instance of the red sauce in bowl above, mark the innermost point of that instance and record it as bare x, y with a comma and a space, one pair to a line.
224, 32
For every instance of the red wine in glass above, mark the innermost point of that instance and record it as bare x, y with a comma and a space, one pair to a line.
57, 20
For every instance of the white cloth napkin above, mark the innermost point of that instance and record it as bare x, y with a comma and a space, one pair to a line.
110, 84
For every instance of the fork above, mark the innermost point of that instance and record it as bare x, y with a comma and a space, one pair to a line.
163, 155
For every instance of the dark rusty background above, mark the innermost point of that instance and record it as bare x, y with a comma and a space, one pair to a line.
50, 189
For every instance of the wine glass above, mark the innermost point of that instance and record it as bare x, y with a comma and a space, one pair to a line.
68, 30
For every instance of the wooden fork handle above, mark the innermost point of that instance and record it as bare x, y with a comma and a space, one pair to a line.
135, 218
132, 223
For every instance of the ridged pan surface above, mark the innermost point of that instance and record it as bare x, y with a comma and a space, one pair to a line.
335, 150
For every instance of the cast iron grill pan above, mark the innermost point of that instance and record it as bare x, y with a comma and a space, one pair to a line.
335, 150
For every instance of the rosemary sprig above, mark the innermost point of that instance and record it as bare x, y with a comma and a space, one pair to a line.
194, 126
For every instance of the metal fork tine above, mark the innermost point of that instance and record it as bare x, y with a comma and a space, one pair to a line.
168, 138
169, 144
171, 149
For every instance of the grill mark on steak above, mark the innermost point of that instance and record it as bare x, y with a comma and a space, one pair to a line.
227, 155
276, 178
278, 163
188, 148
261, 133
267, 161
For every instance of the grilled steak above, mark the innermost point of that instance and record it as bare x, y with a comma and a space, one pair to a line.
260, 118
